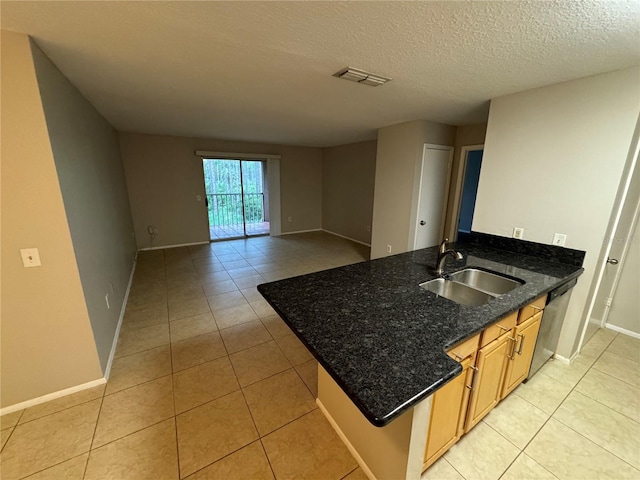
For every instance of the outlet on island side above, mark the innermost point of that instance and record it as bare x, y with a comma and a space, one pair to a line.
388, 248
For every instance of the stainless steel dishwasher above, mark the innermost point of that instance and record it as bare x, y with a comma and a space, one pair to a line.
551, 325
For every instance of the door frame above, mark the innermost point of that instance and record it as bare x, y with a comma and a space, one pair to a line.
273, 182
457, 189
630, 169
413, 227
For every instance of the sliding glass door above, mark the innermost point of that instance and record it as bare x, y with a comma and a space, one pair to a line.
237, 198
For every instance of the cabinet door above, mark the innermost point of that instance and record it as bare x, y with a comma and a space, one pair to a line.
445, 415
519, 361
488, 379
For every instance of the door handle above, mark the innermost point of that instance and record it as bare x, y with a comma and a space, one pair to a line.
612, 261
422, 222
519, 352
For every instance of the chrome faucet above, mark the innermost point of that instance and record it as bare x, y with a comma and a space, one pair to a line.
443, 253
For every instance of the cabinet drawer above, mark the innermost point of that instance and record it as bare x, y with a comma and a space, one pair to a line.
464, 350
531, 309
498, 329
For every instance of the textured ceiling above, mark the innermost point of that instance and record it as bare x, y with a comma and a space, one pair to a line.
261, 71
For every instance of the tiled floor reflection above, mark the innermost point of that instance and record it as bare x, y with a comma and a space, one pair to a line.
209, 383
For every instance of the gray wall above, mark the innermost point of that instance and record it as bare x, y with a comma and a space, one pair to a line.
47, 342
87, 159
398, 162
164, 178
348, 180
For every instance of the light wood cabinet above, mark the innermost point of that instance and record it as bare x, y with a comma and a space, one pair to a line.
449, 405
487, 380
519, 359
494, 363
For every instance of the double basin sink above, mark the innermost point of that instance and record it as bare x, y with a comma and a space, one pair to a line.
471, 286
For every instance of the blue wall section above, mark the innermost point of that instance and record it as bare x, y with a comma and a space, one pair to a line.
470, 190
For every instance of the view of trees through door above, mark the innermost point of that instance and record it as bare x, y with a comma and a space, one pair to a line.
237, 198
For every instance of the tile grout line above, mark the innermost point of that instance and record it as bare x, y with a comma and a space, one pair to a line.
173, 387
95, 429
554, 411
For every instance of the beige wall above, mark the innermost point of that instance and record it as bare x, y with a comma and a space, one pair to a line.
87, 159
164, 177
47, 342
398, 162
552, 162
466, 135
348, 179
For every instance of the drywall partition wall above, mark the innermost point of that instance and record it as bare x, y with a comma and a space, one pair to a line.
397, 179
47, 342
87, 158
164, 178
552, 163
466, 135
348, 180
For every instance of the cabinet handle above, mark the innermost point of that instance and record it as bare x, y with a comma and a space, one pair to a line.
519, 352
504, 329
513, 349
475, 369
470, 387
458, 356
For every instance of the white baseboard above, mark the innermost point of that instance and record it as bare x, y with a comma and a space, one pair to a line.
301, 231
565, 360
347, 238
107, 370
346, 441
162, 247
624, 331
52, 396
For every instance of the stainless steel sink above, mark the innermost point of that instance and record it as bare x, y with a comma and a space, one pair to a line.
471, 286
456, 292
485, 281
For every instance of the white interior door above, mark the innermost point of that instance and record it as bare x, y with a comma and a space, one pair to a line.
432, 199
624, 315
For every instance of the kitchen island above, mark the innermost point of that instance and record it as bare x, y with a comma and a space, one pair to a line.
381, 340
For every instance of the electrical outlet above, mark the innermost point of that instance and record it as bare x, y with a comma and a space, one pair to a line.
150, 229
368, 228
155, 231
559, 239
518, 232
388, 248
106, 299
290, 219
608, 302
199, 198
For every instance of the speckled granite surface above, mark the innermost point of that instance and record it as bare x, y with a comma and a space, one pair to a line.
383, 338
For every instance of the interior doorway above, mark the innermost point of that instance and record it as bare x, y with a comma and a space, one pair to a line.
469, 190
433, 190
237, 198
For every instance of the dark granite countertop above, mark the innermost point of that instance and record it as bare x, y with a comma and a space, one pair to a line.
382, 338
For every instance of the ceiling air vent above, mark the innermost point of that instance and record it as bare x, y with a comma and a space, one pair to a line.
360, 76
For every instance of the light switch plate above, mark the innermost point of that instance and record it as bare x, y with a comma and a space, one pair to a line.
518, 232
30, 257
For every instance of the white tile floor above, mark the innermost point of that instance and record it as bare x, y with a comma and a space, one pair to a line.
208, 383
